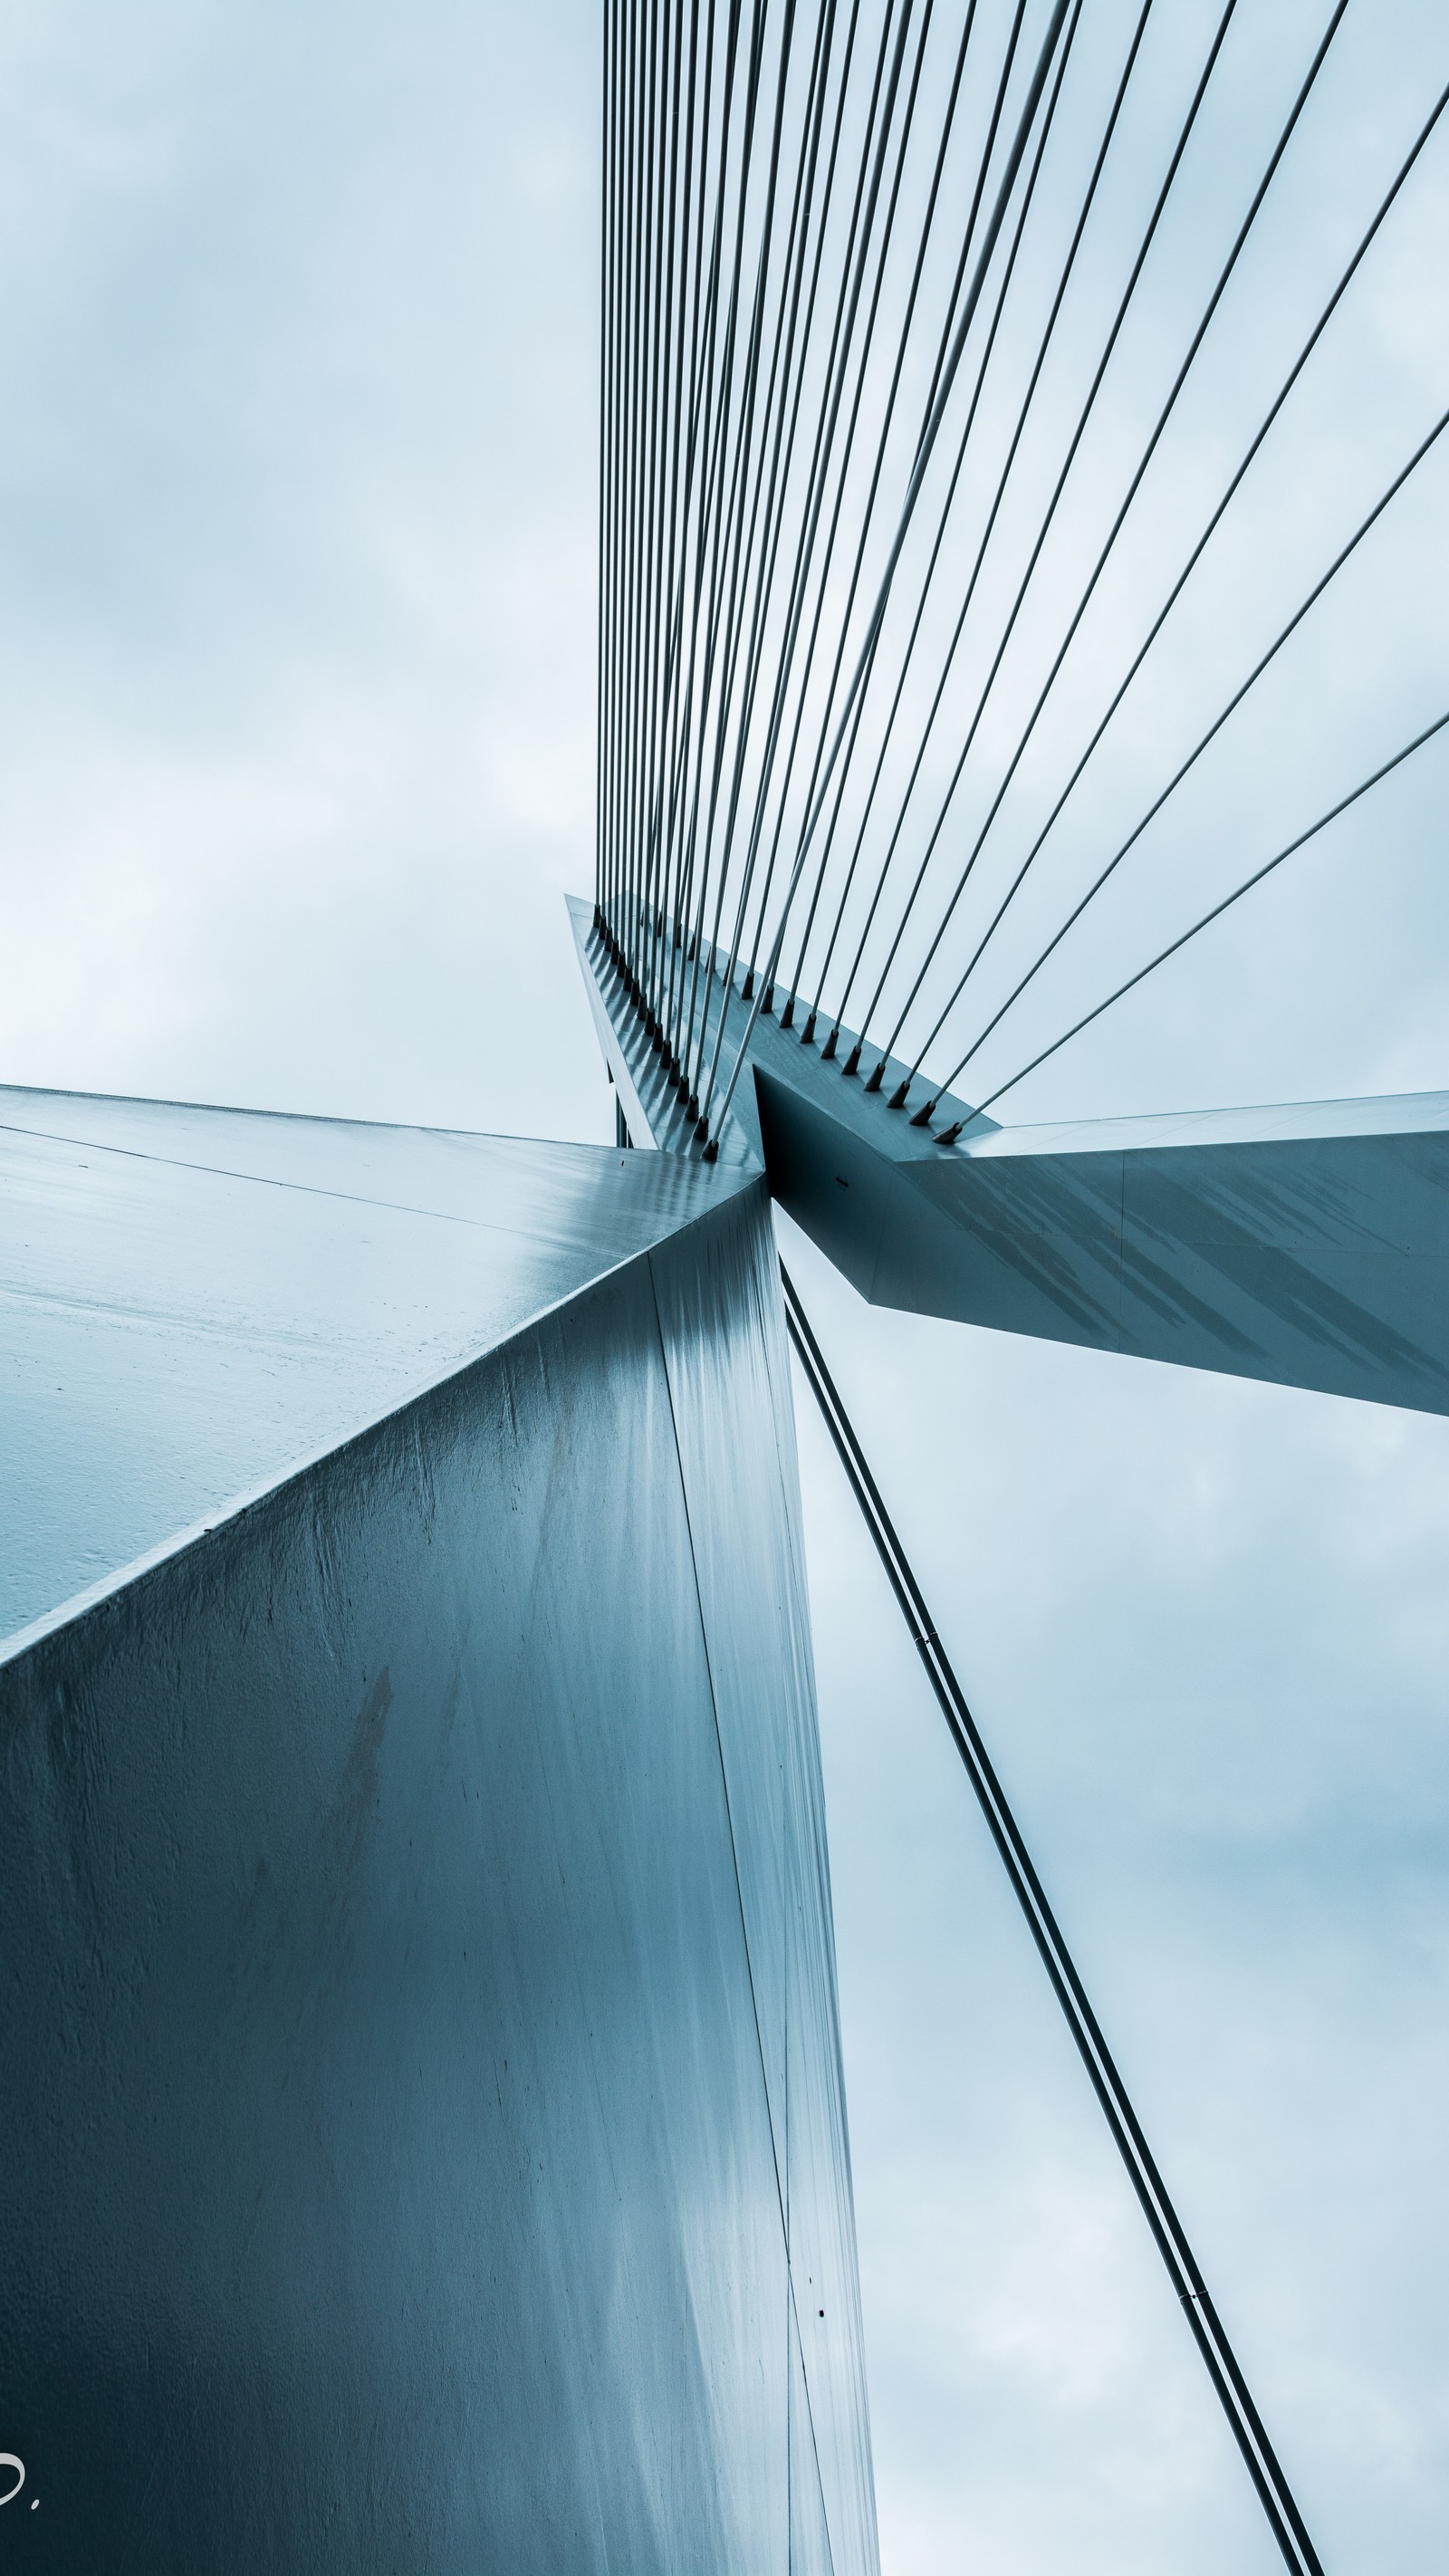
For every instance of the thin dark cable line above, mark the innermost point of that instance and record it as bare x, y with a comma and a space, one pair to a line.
683, 1031
685, 873
713, 514
648, 129
612, 416
927, 223
603, 448
686, 427
1344, 802
748, 602
701, 409
847, 756
1178, 586
805, 336
1155, 808
918, 474
675, 330
726, 632
857, 263
680, 451
898, 1097
724, 567
852, 278
634, 531
1183, 2271
746, 482
792, 379
983, 172
963, 448
654, 218
1077, 436
787, 378
843, 620
1068, 266
834, 379
626, 359
825, 16
605, 365
847, 444
660, 444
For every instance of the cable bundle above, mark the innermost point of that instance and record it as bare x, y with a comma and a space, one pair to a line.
841, 250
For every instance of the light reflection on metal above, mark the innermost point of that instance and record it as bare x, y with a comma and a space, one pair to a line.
1306, 1245
422, 2062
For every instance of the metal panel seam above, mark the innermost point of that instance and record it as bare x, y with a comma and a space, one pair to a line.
810, 2413
193, 1533
1121, 1249
719, 1745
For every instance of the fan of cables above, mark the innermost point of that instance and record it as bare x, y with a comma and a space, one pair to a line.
865, 471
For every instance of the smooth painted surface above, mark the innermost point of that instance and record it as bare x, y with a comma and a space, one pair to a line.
733, 1407
1420, 1113
1318, 1259
193, 1300
1306, 1245
393, 2177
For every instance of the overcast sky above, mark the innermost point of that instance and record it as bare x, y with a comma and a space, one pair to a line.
297, 509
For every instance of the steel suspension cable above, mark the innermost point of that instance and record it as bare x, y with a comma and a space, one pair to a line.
898, 1097
1168, 2234
1214, 729
852, 275
744, 482
856, 263
662, 443
603, 451
927, 222
744, 624
719, 499
1059, 487
626, 407
699, 496
843, 765
683, 1026
968, 239
943, 520
641, 158
834, 381
1175, 593
606, 359
686, 433
614, 420
847, 445
792, 383
721, 488
853, 1060
684, 445
918, 474
842, 621
950, 1134
781, 354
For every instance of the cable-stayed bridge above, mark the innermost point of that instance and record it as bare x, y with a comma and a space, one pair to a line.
425, 2127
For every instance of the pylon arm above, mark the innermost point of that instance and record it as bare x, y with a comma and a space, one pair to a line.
1306, 1245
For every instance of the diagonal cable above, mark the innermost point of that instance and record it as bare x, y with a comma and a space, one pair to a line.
1216, 913
1183, 2271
